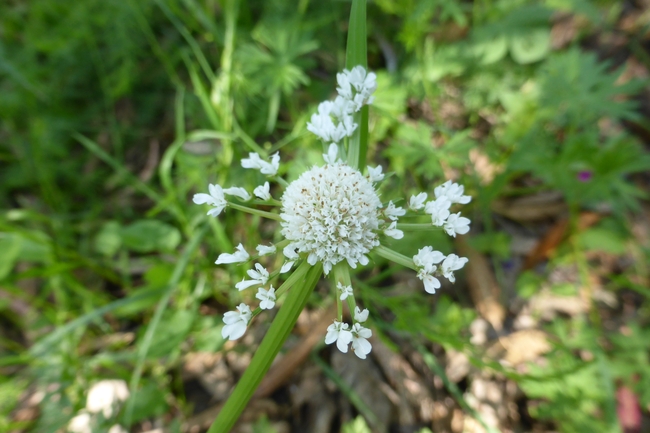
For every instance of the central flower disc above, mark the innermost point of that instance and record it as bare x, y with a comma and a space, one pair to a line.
331, 213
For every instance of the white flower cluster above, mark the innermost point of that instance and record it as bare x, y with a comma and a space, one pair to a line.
426, 260
333, 214
358, 335
333, 121
104, 398
446, 194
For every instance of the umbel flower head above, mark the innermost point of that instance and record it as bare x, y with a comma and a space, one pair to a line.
332, 215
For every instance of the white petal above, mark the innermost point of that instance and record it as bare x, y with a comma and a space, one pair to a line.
238, 192
263, 191
264, 250
286, 267
361, 316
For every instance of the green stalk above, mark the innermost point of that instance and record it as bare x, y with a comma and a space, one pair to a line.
280, 329
396, 257
357, 54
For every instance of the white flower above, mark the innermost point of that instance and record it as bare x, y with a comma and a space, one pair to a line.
360, 343
238, 192
393, 231
321, 123
439, 210
338, 332
236, 322
417, 201
453, 192
330, 213
332, 152
271, 169
215, 199
426, 258
259, 277
263, 250
267, 298
345, 290
263, 192
116, 429
238, 256
375, 174
341, 108
450, 264
359, 315
105, 396
357, 86
456, 224
431, 283
255, 162
393, 212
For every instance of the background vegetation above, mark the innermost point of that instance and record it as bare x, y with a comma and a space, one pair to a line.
115, 113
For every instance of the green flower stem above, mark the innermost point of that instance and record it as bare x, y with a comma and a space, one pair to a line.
341, 273
357, 54
250, 210
424, 227
305, 279
396, 257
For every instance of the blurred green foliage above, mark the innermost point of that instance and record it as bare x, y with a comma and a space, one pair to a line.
114, 113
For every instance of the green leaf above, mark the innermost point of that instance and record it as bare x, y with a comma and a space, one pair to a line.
146, 236
358, 425
491, 50
357, 54
531, 46
171, 332
109, 240
10, 245
602, 239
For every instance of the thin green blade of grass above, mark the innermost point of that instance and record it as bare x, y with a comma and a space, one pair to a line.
118, 167
44, 345
202, 94
357, 54
194, 45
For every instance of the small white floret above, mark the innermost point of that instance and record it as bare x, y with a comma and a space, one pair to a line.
417, 201
431, 283
332, 153
263, 192
267, 297
453, 191
456, 224
238, 256
360, 343
393, 232
236, 322
259, 277
338, 332
345, 291
361, 315
238, 192
450, 264
392, 212
375, 174
439, 210
216, 199
264, 250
